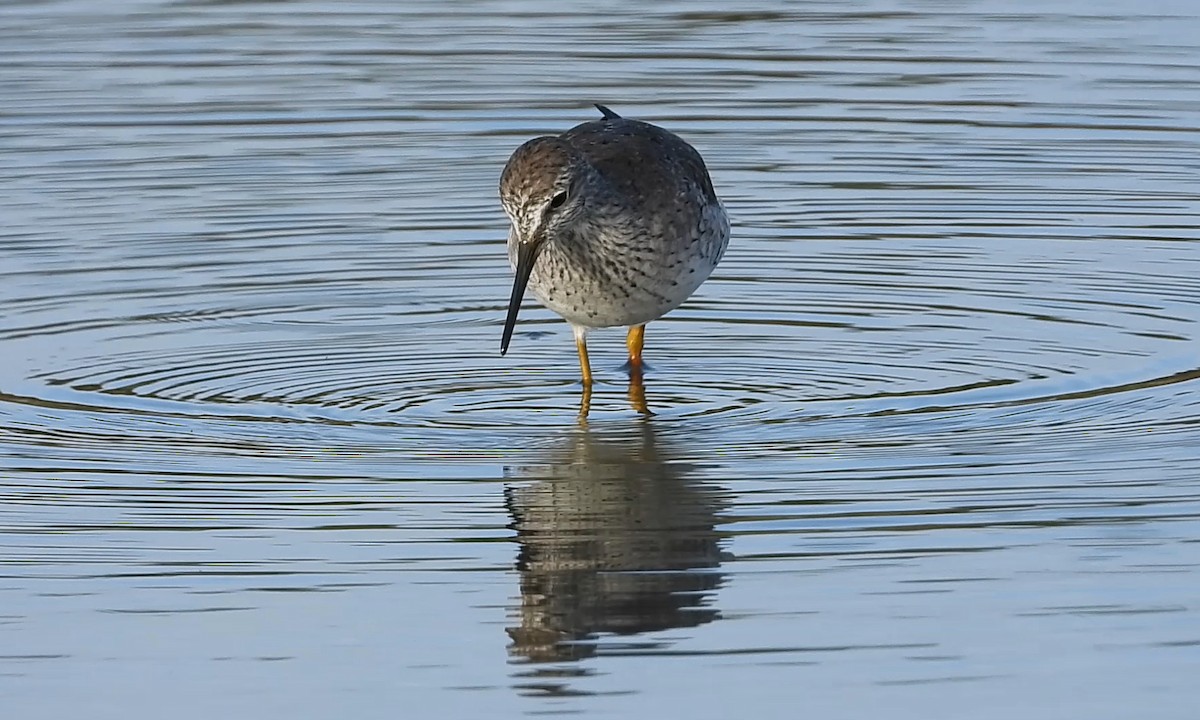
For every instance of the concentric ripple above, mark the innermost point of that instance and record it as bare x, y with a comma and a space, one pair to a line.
906, 266
947, 311
985, 260
789, 330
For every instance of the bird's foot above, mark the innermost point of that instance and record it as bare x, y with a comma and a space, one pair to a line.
635, 369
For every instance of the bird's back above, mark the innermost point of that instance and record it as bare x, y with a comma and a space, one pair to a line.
649, 166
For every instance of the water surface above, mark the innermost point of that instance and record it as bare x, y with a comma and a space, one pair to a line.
927, 440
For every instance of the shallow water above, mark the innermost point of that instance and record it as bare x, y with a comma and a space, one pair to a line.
929, 439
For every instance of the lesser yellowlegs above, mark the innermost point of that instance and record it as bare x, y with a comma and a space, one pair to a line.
614, 223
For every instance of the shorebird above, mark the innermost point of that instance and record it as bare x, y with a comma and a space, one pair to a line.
614, 223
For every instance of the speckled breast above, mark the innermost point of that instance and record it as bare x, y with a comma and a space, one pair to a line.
607, 280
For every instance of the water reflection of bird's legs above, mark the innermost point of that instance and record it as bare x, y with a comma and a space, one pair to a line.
585, 404
637, 394
637, 399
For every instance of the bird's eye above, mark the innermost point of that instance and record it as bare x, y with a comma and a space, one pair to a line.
558, 200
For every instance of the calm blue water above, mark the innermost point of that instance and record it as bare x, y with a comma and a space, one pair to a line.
927, 444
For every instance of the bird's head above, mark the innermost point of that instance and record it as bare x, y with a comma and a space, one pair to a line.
539, 191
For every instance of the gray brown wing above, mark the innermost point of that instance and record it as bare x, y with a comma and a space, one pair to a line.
643, 161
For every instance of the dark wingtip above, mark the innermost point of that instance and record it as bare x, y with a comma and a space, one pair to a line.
608, 114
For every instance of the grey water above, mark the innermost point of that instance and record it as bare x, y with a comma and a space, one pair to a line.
926, 445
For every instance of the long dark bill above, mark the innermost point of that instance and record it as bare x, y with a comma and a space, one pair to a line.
526, 255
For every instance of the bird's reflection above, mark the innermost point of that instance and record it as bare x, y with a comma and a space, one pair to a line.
614, 538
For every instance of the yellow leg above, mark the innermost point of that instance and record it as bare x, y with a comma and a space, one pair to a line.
633, 341
585, 367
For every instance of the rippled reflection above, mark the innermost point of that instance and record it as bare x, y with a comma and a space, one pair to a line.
614, 537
